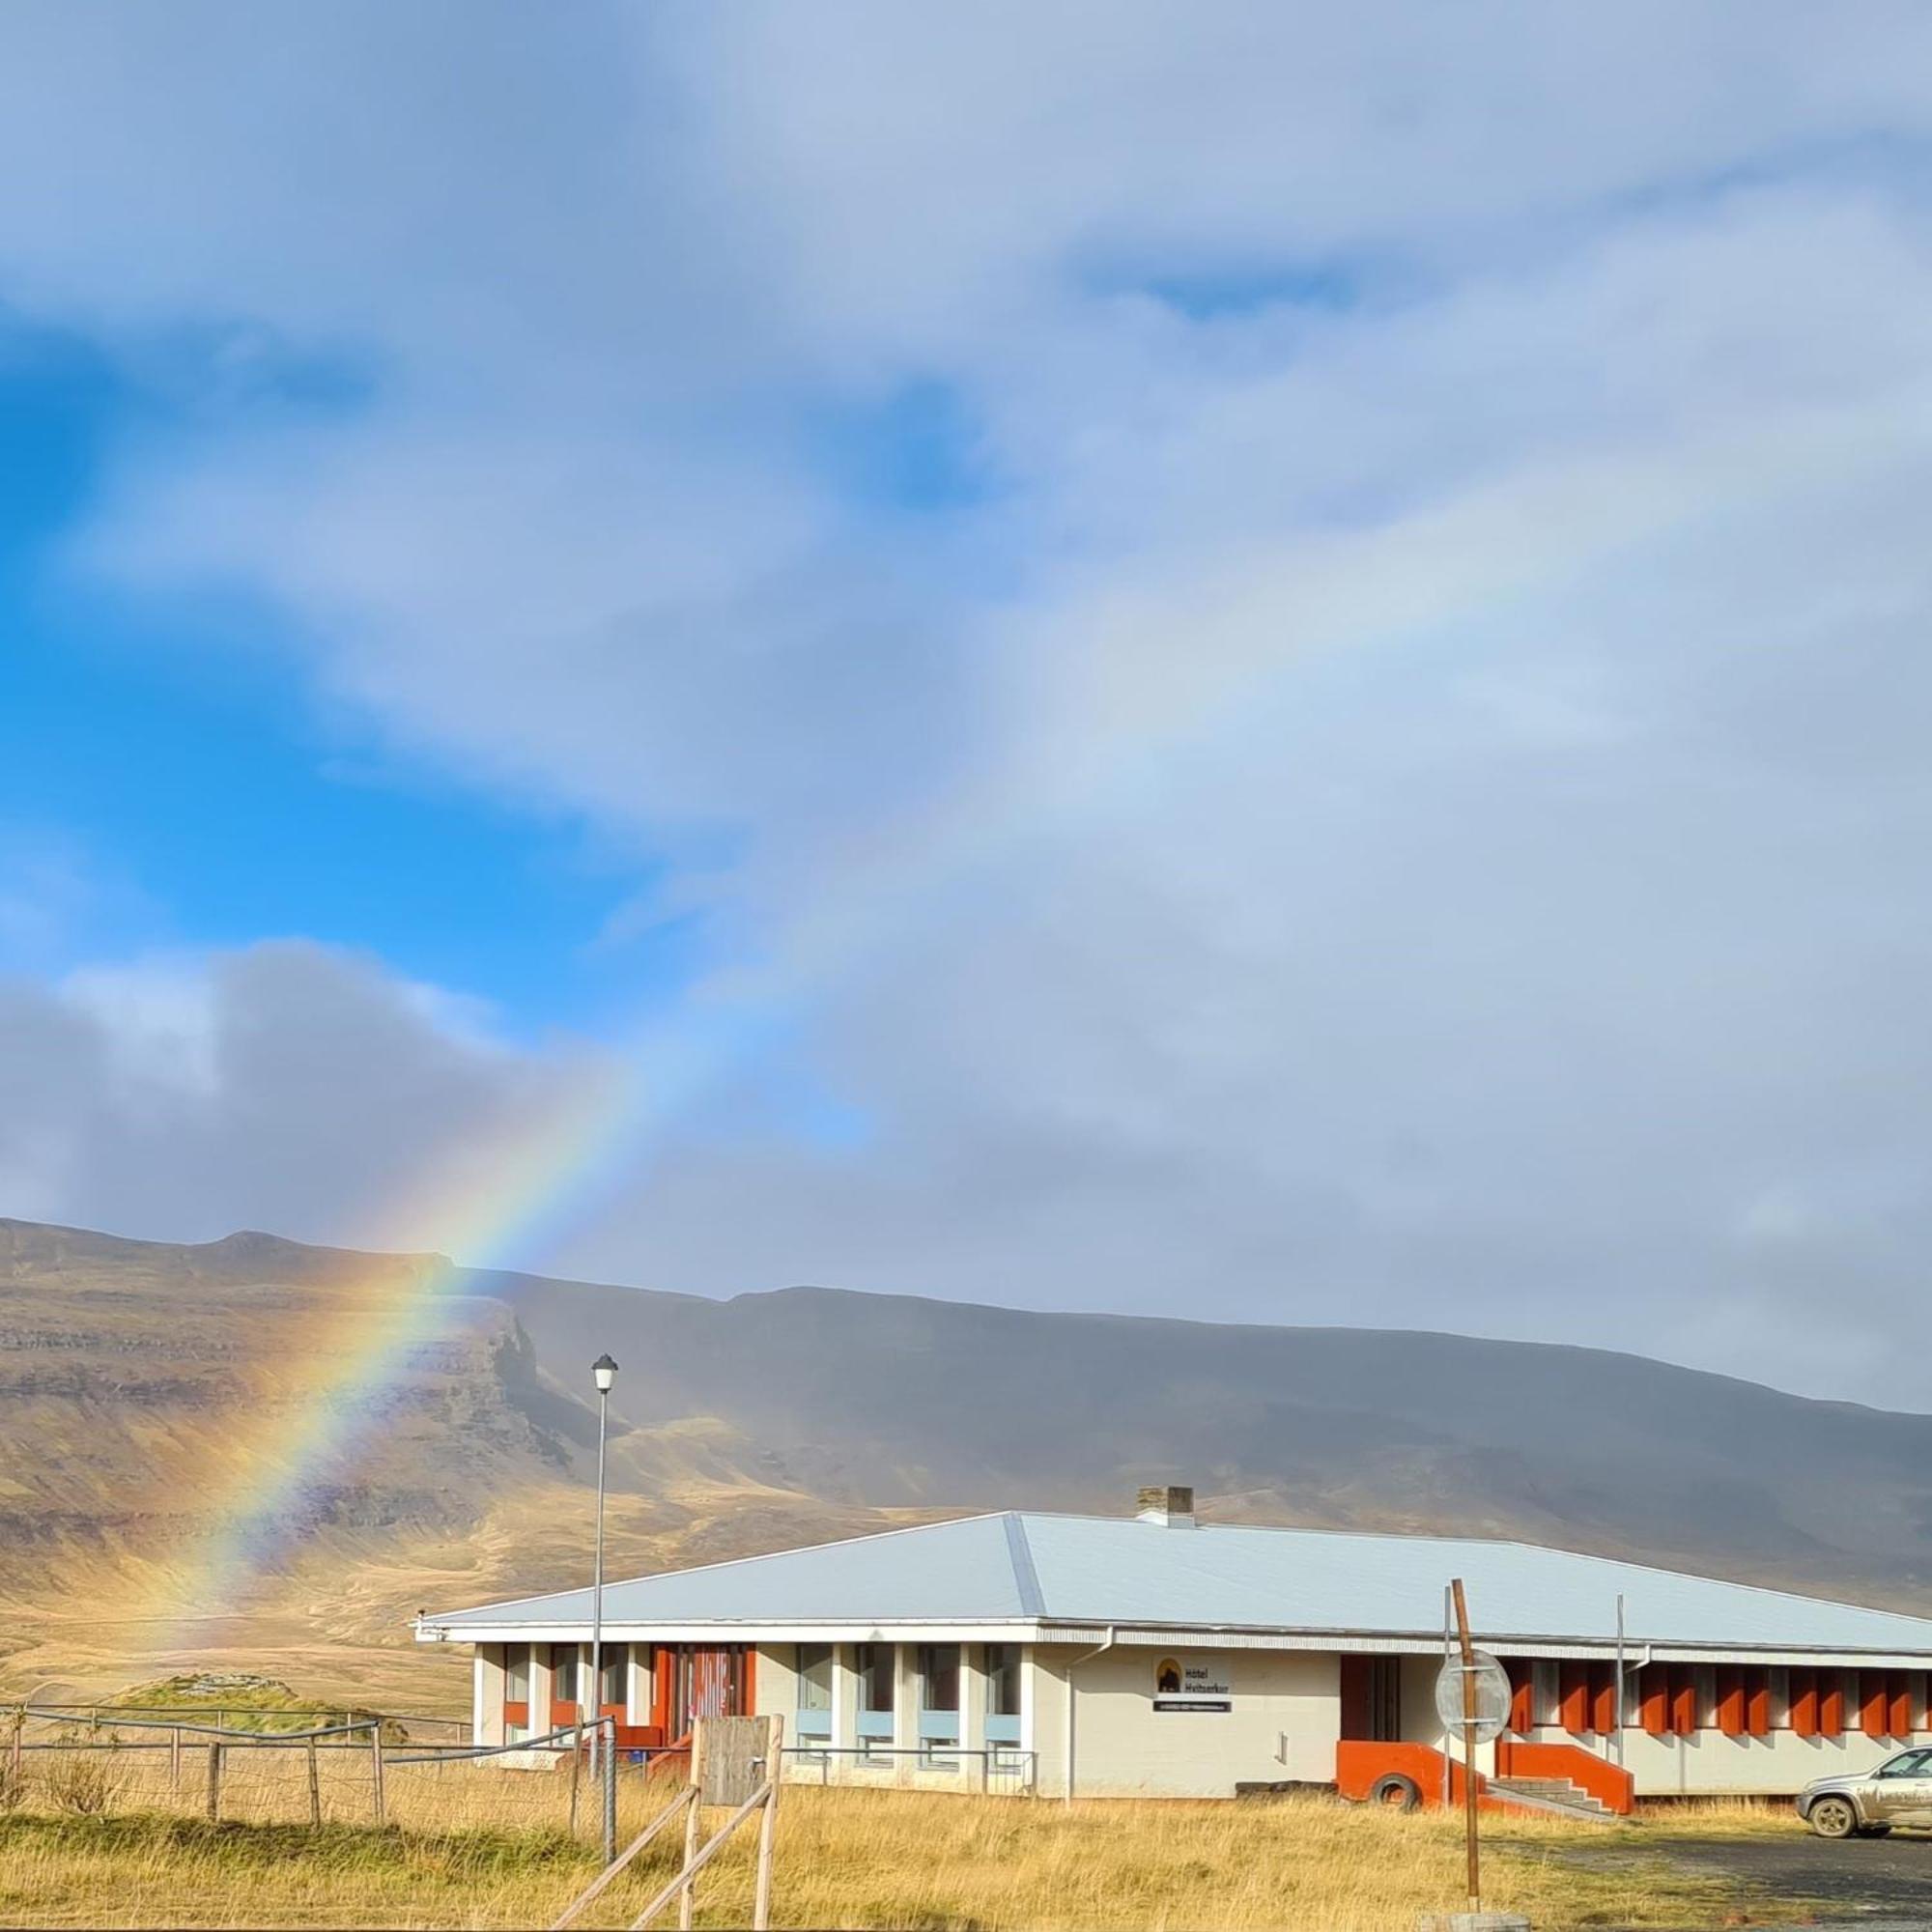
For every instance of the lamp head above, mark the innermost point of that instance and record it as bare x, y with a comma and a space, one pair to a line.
604, 1371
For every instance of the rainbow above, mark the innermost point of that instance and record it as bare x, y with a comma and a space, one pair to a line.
499, 1200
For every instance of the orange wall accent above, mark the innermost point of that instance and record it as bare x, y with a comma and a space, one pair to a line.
1730, 1700
1604, 1698
1683, 1700
515, 1713
1874, 1716
1899, 1700
1757, 1703
1830, 1703
751, 1709
1610, 1782
1805, 1703
1573, 1702
1360, 1761
663, 1687
1652, 1704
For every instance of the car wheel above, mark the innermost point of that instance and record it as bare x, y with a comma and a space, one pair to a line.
1833, 1818
1395, 1793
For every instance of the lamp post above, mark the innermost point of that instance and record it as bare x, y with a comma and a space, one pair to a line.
603, 1372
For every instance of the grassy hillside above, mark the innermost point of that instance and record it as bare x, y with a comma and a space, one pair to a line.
150, 1393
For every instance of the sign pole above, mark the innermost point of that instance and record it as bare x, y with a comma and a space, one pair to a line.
1469, 1714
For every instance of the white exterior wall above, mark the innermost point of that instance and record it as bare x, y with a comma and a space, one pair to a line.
1708, 1764
1285, 1714
485, 1695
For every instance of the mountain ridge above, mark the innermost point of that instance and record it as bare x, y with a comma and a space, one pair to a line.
143, 1385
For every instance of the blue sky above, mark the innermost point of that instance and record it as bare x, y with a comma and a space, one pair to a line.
1271, 670
170, 750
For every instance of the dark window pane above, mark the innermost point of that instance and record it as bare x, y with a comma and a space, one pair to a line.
814, 1677
875, 1676
939, 1676
1003, 1680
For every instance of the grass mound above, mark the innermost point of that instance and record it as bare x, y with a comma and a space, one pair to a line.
241, 1703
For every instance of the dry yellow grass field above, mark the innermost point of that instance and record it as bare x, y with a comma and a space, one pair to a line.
470, 1846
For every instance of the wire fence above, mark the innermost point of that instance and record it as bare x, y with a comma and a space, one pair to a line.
368, 1771
341, 1774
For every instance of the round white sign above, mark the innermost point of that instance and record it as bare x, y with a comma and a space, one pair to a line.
1492, 1700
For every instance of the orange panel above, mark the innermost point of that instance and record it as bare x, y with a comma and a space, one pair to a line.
751, 1682
1684, 1700
1874, 1714
1652, 1704
1899, 1699
1831, 1703
1730, 1700
515, 1713
663, 1688
1757, 1702
1805, 1703
1573, 1702
1604, 1698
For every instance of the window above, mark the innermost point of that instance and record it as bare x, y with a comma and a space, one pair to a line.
814, 1690
517, 1674
1908, 1764
814, 1677
1003, 1693
1546, 1692
516, 1693
610, 1691
1003, 1680
566, 1674
876, 1665
938, 1695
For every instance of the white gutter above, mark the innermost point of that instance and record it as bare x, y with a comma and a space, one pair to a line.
1073, 1663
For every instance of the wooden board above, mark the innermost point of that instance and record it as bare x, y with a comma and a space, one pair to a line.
738, 1755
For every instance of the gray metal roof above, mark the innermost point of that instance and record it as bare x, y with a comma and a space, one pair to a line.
1105, 1569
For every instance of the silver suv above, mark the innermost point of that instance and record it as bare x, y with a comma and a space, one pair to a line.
1869, 1804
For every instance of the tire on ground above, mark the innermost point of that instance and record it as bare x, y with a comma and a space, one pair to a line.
1394, 1792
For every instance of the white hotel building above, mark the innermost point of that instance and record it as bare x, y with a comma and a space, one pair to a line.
1156, 1655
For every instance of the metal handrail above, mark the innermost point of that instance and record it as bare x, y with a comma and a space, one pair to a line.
57, 1714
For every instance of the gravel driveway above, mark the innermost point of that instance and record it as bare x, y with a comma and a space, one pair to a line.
1883, 1885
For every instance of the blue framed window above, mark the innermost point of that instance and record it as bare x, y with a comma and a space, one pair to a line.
876, 1668
938, 1697
815, 1692
1003, 1693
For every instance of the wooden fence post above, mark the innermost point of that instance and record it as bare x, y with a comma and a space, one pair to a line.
175, 1762
314, 1788
213, 1779
761, 1905
375, 1771
686, 1904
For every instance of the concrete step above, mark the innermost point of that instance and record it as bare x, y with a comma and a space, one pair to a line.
1553, 1793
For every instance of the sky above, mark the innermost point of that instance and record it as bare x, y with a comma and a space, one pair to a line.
1265, 664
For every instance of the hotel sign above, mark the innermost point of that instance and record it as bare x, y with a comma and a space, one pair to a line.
1192, 1684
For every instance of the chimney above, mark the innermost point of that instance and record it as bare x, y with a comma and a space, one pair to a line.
1171, 1506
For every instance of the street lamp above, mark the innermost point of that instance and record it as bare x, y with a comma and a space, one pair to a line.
603, 1372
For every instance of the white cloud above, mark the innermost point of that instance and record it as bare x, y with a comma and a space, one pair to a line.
1403, 801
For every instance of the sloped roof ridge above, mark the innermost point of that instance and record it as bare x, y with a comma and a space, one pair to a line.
734, 1562
1501, 1542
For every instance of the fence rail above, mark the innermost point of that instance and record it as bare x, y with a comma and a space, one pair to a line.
352, 1772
